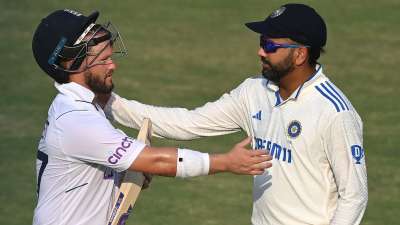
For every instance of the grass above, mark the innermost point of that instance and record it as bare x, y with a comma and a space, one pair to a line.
185, 53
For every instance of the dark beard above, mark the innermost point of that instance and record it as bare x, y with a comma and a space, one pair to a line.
276, 72
97, 85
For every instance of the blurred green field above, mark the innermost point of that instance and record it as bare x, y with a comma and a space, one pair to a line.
187, 52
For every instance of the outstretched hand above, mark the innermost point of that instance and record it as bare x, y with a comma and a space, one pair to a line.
242, 160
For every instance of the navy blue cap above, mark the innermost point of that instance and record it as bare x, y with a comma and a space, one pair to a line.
299, 22
59, 29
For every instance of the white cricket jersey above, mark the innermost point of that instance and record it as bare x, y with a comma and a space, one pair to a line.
79, 156
315, 137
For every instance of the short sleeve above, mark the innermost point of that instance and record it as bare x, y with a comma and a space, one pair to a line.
89, 137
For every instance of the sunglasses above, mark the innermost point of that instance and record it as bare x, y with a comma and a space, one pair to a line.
270, 47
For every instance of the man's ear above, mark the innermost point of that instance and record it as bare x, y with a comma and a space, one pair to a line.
301, 56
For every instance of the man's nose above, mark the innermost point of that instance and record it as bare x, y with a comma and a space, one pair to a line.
112, 65
261, 52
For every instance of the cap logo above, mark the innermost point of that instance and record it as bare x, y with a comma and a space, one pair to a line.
277, 12
73, 12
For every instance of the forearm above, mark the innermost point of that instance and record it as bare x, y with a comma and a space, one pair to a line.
159, 161
350, 212
188, 163
353, 192
164, 161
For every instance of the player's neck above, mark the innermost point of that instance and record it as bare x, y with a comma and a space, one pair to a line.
79, 78
289, 83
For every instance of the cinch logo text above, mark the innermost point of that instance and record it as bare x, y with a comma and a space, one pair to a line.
119, 152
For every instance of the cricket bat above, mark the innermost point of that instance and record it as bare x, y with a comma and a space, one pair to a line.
131, 184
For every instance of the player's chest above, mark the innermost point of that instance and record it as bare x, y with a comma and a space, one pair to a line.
285, 131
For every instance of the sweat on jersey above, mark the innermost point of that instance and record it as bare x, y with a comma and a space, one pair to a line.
79, 156
315, 137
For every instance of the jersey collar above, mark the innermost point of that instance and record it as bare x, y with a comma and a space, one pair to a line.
275, 88
76, 91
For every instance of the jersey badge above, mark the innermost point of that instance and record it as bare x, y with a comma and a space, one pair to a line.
257, 116
357, 152
294, 129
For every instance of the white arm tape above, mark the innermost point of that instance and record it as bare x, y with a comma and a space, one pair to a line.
192, 163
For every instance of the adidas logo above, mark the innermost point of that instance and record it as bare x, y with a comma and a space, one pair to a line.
257, 116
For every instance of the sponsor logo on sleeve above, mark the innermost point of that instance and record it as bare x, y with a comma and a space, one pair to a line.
119, 152
358, 153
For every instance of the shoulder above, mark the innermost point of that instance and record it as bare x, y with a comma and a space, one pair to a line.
256, 80
332, 103
251, 84
78, 119
330, 96
64, 105
247, 90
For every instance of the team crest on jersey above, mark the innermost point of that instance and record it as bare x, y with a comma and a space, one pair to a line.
357, 152
294, 129
277, 12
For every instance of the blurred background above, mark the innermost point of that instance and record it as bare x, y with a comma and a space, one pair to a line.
185, 53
